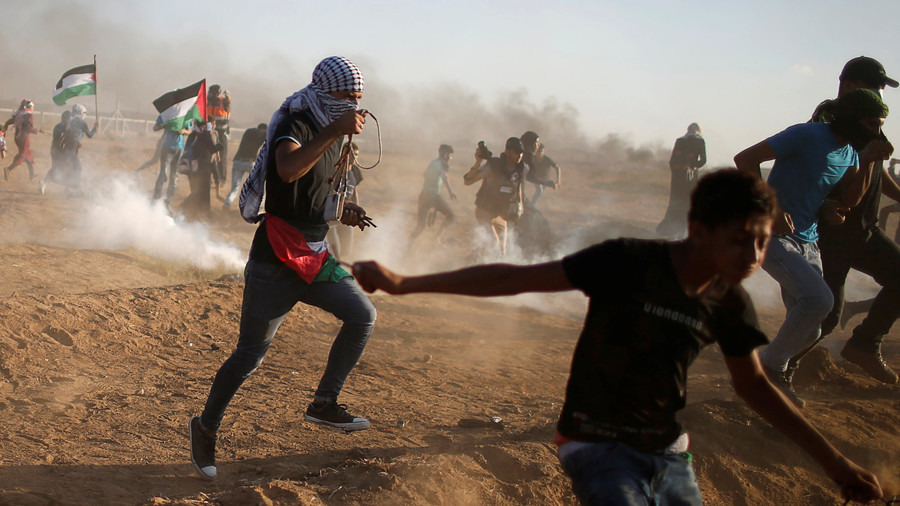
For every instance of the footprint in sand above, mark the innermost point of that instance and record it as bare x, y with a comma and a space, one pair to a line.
59, 335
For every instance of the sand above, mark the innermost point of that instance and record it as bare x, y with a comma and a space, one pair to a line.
108, 346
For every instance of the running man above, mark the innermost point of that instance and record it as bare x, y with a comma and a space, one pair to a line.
811, 160
653, 306
430, 197
856, 242
289, 260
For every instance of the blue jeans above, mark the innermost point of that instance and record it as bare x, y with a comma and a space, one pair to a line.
168, 169
269, 293
797, 267
615, 474
238, 169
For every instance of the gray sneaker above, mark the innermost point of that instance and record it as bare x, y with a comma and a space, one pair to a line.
783, 383
203, 450
871, 361
334, 415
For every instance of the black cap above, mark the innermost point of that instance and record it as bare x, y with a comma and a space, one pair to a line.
515, 144
868, 70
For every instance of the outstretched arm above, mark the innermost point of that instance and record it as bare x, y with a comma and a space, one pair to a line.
751, 384
481, 280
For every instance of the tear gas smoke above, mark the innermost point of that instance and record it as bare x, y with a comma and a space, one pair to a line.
120, 216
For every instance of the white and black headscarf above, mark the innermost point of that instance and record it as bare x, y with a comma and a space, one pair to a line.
334, 73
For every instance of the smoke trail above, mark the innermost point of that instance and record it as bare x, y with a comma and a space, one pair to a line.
122, 217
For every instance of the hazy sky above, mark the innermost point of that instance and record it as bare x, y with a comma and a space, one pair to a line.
643, 69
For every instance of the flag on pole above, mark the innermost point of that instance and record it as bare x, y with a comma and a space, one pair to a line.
75, 83
177, 108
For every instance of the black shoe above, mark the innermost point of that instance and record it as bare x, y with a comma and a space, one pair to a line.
783, 383
871, 362
203, 450
334, 415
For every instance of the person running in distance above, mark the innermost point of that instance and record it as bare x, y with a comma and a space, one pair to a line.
242, 164
430, 196
58, 172
289, 260
501, 198
653, 306
76, 129
23, 120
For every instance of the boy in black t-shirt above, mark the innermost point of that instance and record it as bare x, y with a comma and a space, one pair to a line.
629, 371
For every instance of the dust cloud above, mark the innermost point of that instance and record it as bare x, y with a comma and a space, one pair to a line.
120, 216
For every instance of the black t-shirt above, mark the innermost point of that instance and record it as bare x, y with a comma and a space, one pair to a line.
252, 139
300, 203
500, 186
629, 370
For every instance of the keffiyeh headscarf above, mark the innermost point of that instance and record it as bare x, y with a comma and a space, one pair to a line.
334, 73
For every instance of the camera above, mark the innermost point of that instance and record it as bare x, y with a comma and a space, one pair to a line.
483, 152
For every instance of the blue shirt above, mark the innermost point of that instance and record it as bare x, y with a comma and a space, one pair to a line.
172, 140
434, 176
809, 163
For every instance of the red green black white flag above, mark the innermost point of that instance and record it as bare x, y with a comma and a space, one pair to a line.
177, 108
75, 83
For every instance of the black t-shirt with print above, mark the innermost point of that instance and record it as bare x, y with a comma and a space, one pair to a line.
629, 370
302, 202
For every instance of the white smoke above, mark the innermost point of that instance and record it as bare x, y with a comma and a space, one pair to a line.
119, 216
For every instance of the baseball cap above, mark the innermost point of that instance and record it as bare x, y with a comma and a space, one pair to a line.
868, 70
515, 144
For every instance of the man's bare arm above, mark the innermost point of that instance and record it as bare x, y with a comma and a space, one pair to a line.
474, 174
749, 160
855, 182
751, 384
294, 161
447, 184
480, 280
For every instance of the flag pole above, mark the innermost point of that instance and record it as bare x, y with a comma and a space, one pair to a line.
96, 94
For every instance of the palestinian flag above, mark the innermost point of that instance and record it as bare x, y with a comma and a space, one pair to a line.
75, 83
177, 108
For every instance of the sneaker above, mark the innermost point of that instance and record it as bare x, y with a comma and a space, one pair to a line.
783, 383
871, 362
6, 173
334, 415
203, 450
43, 187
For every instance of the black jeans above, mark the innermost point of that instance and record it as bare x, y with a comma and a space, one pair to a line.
872, 253
269, 293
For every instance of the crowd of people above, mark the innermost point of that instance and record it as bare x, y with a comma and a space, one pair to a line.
654, 303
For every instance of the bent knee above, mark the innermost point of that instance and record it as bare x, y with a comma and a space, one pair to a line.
819, 305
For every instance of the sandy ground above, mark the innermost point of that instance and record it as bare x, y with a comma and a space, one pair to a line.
112, 326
